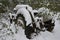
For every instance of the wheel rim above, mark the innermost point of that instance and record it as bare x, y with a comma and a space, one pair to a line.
20, 22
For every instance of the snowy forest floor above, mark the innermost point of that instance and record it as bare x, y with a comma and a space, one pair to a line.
4, 33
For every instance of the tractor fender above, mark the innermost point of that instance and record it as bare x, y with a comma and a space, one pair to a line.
26, 14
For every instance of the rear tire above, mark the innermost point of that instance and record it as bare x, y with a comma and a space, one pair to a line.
50, 29
49, 26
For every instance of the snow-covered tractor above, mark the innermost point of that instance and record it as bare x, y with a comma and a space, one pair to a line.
31, 20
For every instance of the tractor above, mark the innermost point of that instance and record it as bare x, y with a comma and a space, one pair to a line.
31, 20
33, 17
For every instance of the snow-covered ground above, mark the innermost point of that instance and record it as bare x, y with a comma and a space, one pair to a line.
6, 34
50, 35
55, 35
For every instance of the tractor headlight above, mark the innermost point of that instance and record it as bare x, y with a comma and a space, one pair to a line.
39, 20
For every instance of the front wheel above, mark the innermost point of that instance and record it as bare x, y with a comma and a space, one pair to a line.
21, 21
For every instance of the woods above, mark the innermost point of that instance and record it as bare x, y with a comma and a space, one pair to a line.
51, 4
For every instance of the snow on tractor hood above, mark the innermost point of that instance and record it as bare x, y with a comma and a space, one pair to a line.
24, 10
23, 6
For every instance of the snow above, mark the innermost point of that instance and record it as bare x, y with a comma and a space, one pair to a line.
37, 22
50, 35
34, 11
1, 4
43, 10
10, 14
6, 34
25, 14
20, 35
23, 6
54, 35
22, 10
